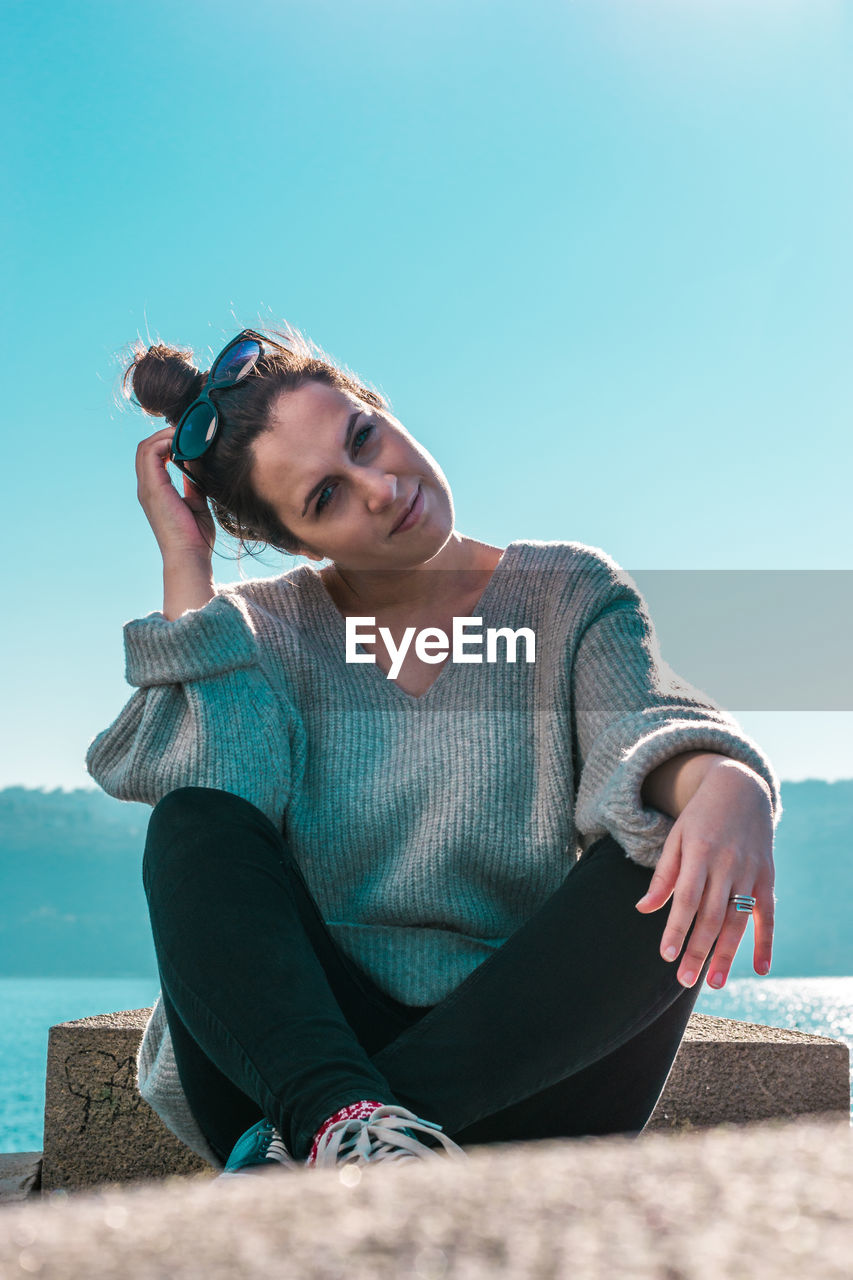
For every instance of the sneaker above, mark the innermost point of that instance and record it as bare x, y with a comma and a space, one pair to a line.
260, 1149
388, 1134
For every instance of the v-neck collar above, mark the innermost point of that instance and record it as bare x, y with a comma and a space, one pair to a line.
372, 670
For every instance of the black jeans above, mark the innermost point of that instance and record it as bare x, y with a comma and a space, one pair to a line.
569, 1028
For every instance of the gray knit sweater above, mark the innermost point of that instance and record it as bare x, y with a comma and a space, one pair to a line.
427, 828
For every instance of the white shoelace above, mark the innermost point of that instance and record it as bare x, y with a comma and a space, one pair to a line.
278, 1151
383, 1136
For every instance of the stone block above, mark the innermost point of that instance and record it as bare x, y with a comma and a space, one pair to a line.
99, 1130
97, 1127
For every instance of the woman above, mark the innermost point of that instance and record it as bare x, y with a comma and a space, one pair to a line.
374, 933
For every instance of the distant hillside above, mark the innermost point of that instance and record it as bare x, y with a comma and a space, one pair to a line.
71, 896
72, 902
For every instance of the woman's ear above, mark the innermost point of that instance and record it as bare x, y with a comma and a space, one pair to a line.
309, 555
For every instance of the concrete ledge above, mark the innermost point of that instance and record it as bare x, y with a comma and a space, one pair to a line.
20, 1175
729, 1072
99, 1130
765, 1200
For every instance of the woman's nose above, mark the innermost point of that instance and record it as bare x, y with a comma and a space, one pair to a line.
380, 489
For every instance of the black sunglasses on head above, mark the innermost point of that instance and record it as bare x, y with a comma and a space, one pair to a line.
199, 425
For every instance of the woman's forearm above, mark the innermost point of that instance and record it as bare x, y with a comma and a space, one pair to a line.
187, 584
673, 784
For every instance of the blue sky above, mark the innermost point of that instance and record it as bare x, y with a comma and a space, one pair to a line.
596, 254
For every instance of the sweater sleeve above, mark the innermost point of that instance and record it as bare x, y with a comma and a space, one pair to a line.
631, 713
203, 713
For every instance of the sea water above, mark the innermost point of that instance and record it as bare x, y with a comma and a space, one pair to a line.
30, 1006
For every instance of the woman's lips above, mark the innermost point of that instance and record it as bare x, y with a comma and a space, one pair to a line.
414, 515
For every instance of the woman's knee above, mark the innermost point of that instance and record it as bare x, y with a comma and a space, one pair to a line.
183, 816
196, 806
185, 807
187, 814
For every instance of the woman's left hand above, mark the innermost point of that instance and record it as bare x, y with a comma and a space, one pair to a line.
721, 844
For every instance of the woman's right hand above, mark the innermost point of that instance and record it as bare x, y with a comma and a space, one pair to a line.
183, 526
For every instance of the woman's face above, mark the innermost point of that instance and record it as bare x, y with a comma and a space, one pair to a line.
341, 475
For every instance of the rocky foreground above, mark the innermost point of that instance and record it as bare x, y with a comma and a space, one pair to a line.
773, 1199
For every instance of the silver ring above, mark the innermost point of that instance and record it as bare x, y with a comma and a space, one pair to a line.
743, 902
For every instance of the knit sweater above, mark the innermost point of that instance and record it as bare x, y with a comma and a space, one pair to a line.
429, 828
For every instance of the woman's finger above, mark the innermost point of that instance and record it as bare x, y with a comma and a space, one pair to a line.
735, 927
152, 454
155, 441
731, 936
764, 917
686, 900
193, 495
709, 920
665, 875
197, 503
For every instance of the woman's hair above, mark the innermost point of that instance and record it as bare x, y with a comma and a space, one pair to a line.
165, 381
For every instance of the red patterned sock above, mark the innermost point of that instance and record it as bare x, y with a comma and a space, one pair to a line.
354, 1111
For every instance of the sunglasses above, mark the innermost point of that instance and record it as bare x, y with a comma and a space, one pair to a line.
199, 425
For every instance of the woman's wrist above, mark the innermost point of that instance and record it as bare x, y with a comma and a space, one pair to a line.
672, 785
187, 584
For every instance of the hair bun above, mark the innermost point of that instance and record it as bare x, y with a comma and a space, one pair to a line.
164, 381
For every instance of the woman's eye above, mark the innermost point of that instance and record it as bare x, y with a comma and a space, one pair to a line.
357, 445
366, 432
320, 503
